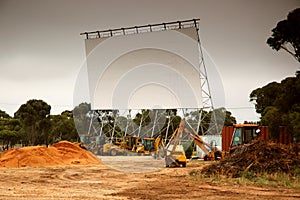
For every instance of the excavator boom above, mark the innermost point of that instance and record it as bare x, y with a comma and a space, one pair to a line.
198, 141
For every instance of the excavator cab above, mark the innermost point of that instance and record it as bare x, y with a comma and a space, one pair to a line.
129, 142
148, 144
243, 134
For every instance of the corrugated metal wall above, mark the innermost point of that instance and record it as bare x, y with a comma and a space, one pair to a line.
284, 137
227, 132
264, 133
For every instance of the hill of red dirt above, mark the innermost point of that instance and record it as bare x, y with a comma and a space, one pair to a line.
61, 153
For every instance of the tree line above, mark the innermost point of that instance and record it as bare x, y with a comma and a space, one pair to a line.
32, 123
279, 103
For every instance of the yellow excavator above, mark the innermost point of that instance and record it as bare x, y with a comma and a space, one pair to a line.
149, 145
175, 153
211, 152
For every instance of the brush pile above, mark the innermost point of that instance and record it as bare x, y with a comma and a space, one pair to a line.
258, 157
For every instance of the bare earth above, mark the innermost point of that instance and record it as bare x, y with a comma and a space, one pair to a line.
102, 182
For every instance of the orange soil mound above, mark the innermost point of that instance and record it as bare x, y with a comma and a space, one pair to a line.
62, 153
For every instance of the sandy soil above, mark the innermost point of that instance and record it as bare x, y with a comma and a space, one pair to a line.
102, 182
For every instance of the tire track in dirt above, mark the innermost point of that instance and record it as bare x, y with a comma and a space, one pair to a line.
100, 182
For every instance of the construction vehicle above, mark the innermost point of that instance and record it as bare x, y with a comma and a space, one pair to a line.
133, 144
175, 153
111, 149
243, 134
117, 147
211, 151
130, 142
151, 146
148, 145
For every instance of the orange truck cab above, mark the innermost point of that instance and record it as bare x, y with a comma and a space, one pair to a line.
243, 134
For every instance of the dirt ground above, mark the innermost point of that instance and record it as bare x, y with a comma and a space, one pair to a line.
102, 182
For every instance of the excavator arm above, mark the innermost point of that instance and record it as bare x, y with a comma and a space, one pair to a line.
211, 152
198, 141
173, 156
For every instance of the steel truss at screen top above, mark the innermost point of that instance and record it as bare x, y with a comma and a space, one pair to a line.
142, 29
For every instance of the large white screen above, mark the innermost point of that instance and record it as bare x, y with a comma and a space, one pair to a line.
144, 71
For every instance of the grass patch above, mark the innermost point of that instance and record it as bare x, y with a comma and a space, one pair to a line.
251, 178
277, 180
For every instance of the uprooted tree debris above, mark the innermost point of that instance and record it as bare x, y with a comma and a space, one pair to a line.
258, 157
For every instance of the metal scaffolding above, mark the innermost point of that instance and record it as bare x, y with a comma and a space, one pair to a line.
142, 29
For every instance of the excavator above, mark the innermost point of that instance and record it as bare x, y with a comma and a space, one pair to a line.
150, 145
175, 155
211, 152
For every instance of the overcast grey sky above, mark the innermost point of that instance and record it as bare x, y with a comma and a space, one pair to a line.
41, 51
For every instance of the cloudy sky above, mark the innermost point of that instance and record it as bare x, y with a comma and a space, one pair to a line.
41, 50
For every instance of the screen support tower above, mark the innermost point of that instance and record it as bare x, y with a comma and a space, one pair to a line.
98, 117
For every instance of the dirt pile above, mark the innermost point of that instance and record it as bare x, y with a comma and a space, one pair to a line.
62, 153
259, 157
